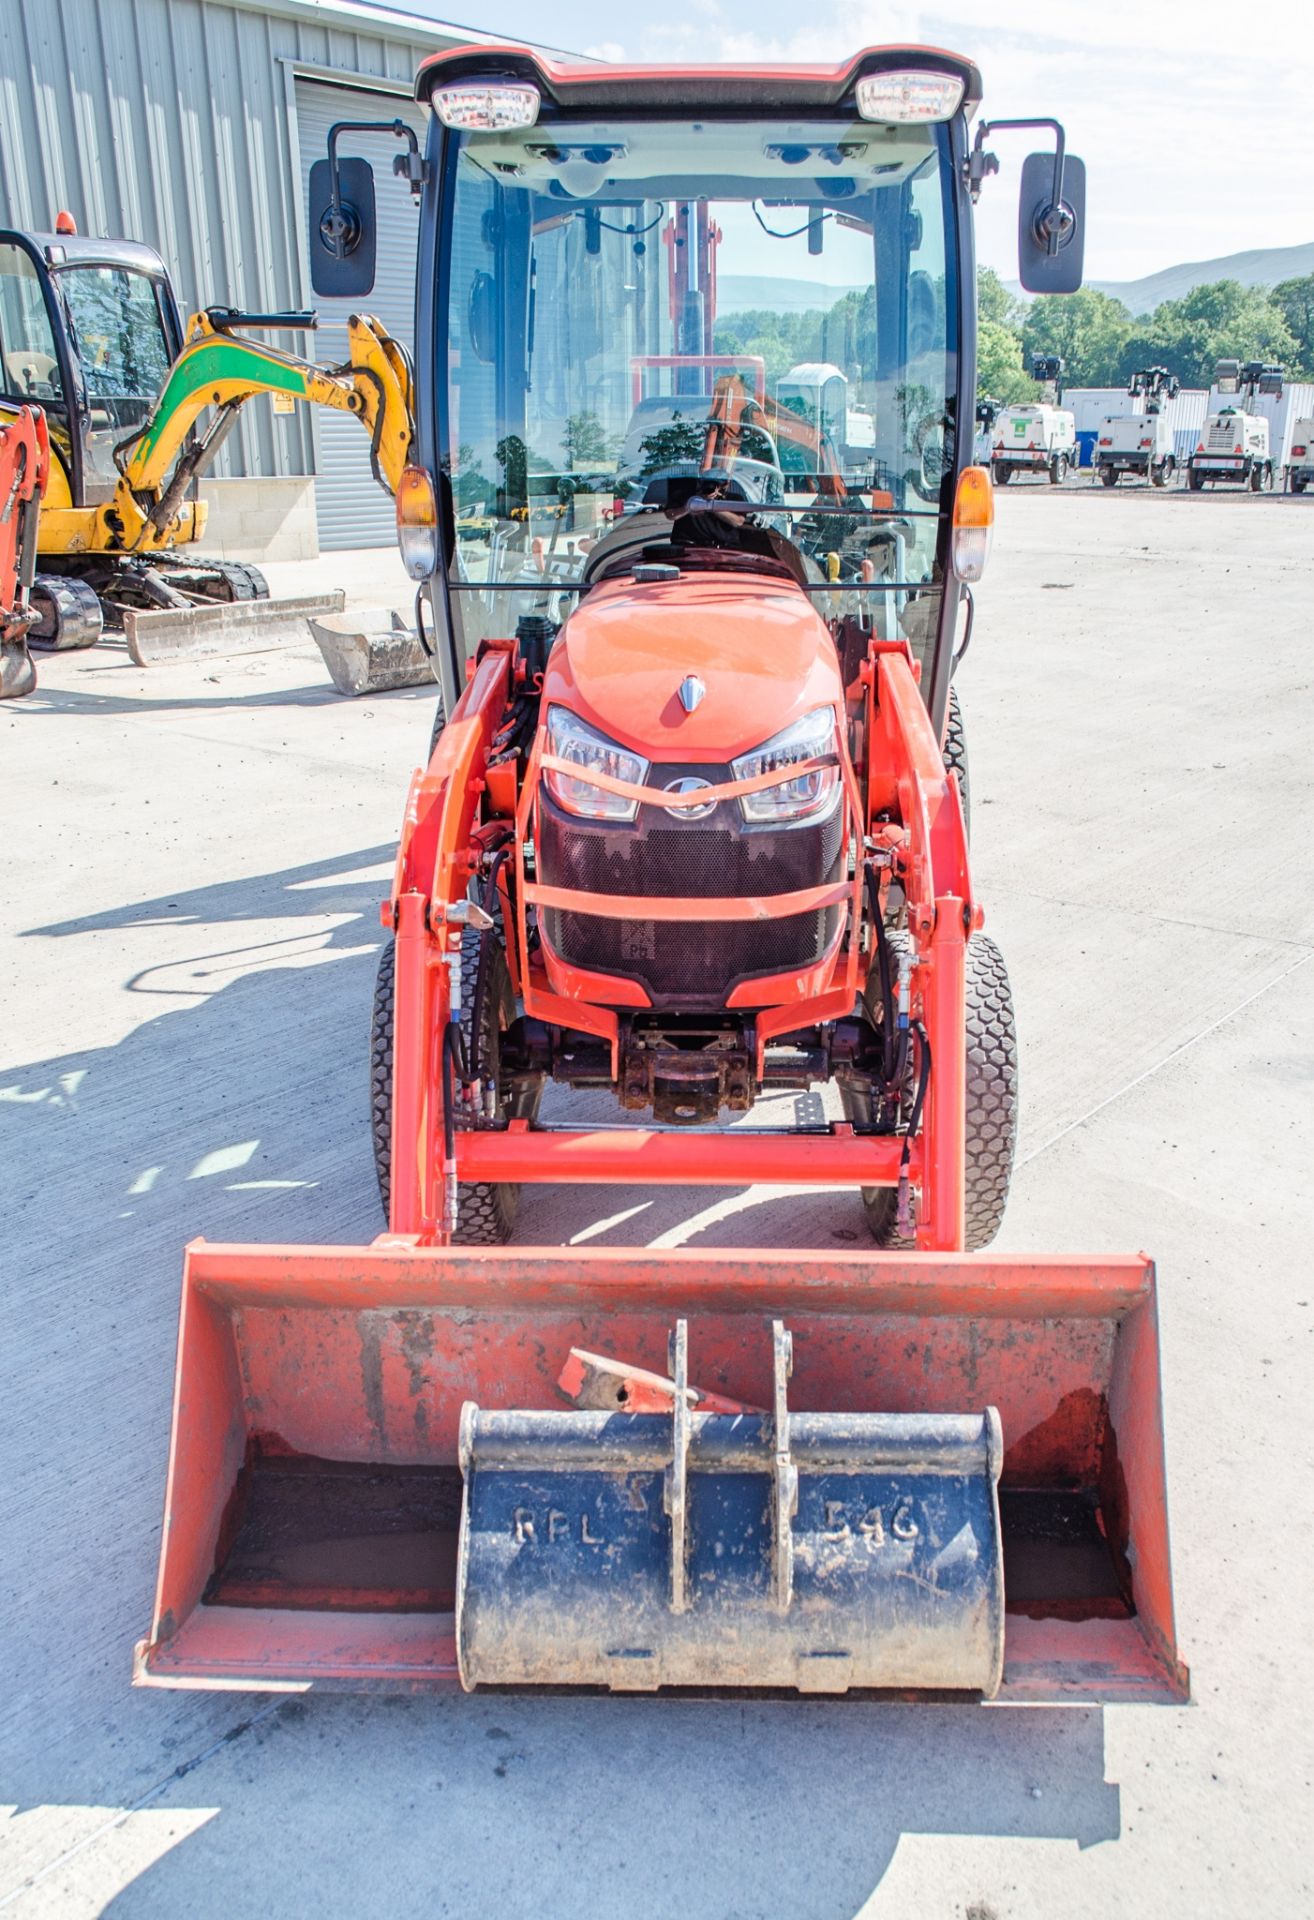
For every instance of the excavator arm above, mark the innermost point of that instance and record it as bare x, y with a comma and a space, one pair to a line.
735, 410
219, 373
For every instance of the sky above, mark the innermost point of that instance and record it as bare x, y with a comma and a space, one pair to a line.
1193, 116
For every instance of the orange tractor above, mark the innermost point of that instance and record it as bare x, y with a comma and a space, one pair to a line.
687, 843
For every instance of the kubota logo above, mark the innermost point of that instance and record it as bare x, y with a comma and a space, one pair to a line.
689, 784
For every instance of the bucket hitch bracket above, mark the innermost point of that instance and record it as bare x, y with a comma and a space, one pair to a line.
692, 1548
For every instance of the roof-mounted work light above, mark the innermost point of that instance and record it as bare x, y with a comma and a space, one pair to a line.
909, 96
484, 107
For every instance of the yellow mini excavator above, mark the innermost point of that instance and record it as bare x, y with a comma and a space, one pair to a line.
137, 407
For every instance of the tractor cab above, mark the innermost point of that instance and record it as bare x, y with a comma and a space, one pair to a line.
620, 297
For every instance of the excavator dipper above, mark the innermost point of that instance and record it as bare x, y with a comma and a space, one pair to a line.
687, 846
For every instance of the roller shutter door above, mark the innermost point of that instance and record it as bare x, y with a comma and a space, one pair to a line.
352, 510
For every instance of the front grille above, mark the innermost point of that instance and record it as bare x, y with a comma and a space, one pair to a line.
679, 963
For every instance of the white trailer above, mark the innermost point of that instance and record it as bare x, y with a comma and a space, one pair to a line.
1300, 457
1139, 438
1234, 448
1034, 439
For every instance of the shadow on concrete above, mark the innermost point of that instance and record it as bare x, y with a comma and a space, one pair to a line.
245, 1117
77, 701
524, 1809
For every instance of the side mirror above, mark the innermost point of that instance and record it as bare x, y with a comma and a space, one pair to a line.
1051, 225
343, 228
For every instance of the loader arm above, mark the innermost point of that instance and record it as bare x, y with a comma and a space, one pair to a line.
217, 371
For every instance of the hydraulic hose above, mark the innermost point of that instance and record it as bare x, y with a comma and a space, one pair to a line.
885, 976
906, 1222
495, 866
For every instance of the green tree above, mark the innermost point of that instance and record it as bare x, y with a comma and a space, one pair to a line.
1219, 321
994, 302
1000, 373
1294, 300
1088, 329
586, 443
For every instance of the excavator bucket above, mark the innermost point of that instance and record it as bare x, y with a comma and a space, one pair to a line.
373, 651
405, 1467
162, 634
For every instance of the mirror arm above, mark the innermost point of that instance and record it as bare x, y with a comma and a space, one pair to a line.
341, 227
1056, 221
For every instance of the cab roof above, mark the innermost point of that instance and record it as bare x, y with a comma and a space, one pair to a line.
627, 87
86, 250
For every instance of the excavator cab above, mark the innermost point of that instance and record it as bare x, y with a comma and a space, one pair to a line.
688, 840
88, 331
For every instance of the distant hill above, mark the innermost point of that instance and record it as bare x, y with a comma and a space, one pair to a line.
749, 292
1263, 267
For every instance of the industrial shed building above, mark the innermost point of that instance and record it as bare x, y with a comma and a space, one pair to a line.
192, 125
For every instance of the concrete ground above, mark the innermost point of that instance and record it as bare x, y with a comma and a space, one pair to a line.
193, 861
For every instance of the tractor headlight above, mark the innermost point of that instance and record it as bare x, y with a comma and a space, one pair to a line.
569, 739
811, 793
902, 97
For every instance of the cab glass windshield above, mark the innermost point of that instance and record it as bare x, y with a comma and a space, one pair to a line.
751, 320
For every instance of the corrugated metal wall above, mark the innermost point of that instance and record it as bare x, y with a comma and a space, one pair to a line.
167, 121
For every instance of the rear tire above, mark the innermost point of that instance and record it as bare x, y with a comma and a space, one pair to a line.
1109, 475
955, 756
1297, 484
1058, 469
1194, 480
1002, 474
1256, 478
992, 1079
486, 1210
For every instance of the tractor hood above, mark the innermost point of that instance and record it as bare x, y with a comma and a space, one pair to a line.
762, 652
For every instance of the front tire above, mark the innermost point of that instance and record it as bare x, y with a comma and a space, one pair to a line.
486, 1210
955, 756
991, 1134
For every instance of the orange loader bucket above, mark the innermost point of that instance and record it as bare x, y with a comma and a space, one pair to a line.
871, 1472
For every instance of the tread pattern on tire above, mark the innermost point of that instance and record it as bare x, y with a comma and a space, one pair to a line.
991, 1109
991, 1091
955, 755
486, 1210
